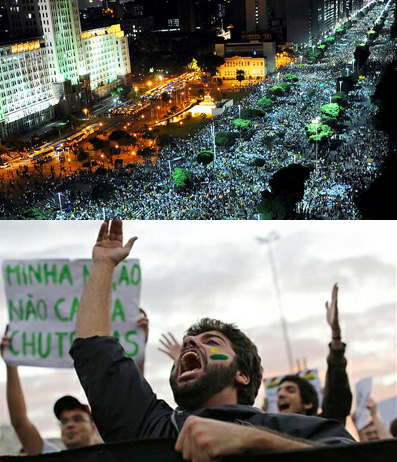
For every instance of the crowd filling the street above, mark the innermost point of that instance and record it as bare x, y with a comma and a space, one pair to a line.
232, 185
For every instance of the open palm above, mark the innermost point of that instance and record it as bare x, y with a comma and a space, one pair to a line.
109, 245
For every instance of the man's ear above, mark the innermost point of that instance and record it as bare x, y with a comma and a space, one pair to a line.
307, 406
241, 379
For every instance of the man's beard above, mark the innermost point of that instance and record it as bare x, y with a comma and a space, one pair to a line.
213, 380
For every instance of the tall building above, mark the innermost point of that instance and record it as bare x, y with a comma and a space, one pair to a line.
64, 69
107, 57
187, 15
60, 20
26, 86
308, 21
23, 19
256, 15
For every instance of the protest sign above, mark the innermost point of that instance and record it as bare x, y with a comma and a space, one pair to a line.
43, 298
363, 392
388, 410
272, 384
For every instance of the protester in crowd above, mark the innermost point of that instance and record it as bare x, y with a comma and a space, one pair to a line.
77, 426
297, 395
214, 380
376, 429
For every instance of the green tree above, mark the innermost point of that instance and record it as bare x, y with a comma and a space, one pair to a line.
165, 140
205, 157
14, 141
277, 90
331, 110
225, 139
82, 155
290, 78
209, 63
182, 178
99, 144
248, 113
146, 152
339, 98
265, 104
117, 135
242, 124
128, 140
240, 76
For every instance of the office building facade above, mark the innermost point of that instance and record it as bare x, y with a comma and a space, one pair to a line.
64, 69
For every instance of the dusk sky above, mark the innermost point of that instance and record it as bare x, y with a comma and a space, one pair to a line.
218, 269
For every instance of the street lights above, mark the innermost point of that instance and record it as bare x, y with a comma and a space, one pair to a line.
272, 237
212, 128
316, 121
86, 111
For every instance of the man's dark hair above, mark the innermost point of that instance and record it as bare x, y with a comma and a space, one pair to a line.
248, 359
307, 391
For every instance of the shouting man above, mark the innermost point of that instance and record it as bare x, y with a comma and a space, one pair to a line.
215, 380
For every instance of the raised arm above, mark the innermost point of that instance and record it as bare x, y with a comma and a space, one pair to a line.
93, 317
381, 428
27, 433
337, 395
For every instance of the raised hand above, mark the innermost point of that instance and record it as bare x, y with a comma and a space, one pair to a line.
332, 312
171, 345
5, 341
143, 323
109, 245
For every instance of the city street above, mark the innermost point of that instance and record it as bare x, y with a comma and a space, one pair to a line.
231, 188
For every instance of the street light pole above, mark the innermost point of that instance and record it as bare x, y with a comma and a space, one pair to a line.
213, 138
268, 240
316, 120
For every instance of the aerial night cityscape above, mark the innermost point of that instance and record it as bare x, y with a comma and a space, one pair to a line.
198, 109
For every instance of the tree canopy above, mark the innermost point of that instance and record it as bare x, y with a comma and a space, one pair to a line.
225, 139
242, 124
205, 157
182, 177
265, 104
331, 110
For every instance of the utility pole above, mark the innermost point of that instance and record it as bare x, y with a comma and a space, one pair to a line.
272, 237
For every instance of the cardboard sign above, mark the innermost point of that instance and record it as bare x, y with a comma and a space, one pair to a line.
272, 384
43, 298
363, 392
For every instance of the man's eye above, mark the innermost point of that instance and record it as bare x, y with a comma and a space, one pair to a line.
212, 342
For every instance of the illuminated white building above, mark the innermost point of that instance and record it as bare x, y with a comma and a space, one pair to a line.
254, 68
66, 67
26, 91
107, 57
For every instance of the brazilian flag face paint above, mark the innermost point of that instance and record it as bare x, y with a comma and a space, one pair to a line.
218, 355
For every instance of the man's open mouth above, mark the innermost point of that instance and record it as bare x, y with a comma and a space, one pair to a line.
190, 362
283, 406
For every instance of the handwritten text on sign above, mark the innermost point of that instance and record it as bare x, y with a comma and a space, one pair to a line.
43, 299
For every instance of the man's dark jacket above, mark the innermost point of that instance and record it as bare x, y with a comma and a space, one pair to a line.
124, 406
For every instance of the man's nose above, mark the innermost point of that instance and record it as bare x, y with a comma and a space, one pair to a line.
189, 342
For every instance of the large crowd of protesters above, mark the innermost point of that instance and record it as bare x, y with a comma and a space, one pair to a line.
230, 187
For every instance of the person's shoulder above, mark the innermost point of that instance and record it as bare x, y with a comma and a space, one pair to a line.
327, 431
49, 447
